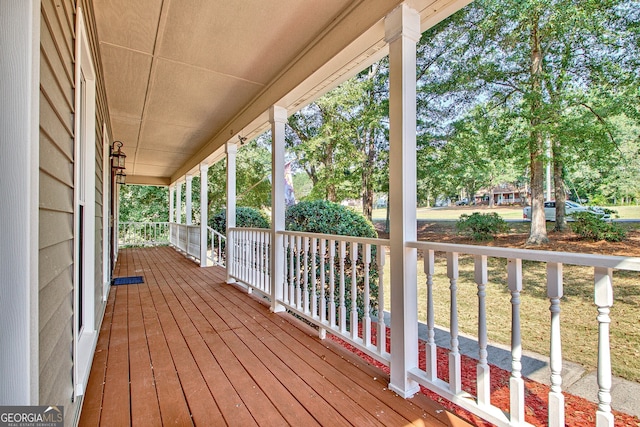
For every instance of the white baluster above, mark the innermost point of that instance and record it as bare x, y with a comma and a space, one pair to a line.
305, 290
366, 325
298, 274
382, 328
342, 308
604, 301
332, 283
455, 370
261, 269
354, 290
483, 382
292, 254
314, 278
554, 292
516, 382
430, 347
256, 260
323, 301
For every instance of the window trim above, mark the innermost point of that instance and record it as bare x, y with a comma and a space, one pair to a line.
84, 340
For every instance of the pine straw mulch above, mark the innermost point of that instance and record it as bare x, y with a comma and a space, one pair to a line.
578, 411
444, 231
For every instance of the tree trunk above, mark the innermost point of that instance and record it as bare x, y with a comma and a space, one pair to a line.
538, 233
367, 174
558, 186
331, 193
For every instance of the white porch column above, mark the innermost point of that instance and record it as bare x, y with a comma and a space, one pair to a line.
402, 31
172, 189
278, 118
19, 142
179, 202
204, 207
189, 197
231, 151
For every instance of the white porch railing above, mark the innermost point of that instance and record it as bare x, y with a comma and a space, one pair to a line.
216, 254
321, 287
186, 238
250, 264
143, 233
480, 404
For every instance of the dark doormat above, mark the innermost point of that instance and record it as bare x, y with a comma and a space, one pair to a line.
131, 280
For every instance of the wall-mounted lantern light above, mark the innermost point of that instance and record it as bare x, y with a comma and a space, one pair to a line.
117, 155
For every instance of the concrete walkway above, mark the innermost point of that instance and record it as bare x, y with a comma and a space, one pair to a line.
575, 379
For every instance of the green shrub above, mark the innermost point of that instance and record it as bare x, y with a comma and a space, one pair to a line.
320, 216
591, 227
481, 226
245, 217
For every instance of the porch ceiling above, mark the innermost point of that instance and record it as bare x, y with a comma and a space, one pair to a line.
183, 78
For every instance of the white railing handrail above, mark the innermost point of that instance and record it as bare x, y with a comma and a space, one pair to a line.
588, 260
142, 222
132, 233
338, 237
217, 233
259, 229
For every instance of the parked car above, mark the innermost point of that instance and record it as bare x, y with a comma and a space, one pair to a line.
570, 208
462, 202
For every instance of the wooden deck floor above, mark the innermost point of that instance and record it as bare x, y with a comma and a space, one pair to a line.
186, 349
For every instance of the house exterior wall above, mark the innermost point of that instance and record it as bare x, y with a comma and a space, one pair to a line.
56, 200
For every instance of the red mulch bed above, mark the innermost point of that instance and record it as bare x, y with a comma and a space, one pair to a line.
578, 411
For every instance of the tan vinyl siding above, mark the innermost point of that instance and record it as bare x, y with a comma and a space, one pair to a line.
56, 181
99, 225
56, 210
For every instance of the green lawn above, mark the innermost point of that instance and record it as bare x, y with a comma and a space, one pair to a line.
506, 212
579, 327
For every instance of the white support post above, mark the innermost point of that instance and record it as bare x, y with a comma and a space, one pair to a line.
402, 31
204, 217
172, 195
19, 133
278, 118
178, 211
179, 202
231, 152
189, 197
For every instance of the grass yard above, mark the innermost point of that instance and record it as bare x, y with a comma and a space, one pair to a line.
578, 312
506, 212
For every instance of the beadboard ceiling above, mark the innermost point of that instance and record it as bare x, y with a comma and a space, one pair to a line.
183, 77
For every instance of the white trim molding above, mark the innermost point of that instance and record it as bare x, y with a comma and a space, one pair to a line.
85, 335
19, 168
106, 203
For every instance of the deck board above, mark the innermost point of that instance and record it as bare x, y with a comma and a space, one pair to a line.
185, 348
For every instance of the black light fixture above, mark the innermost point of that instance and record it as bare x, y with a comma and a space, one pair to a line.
121, 177
117, 155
